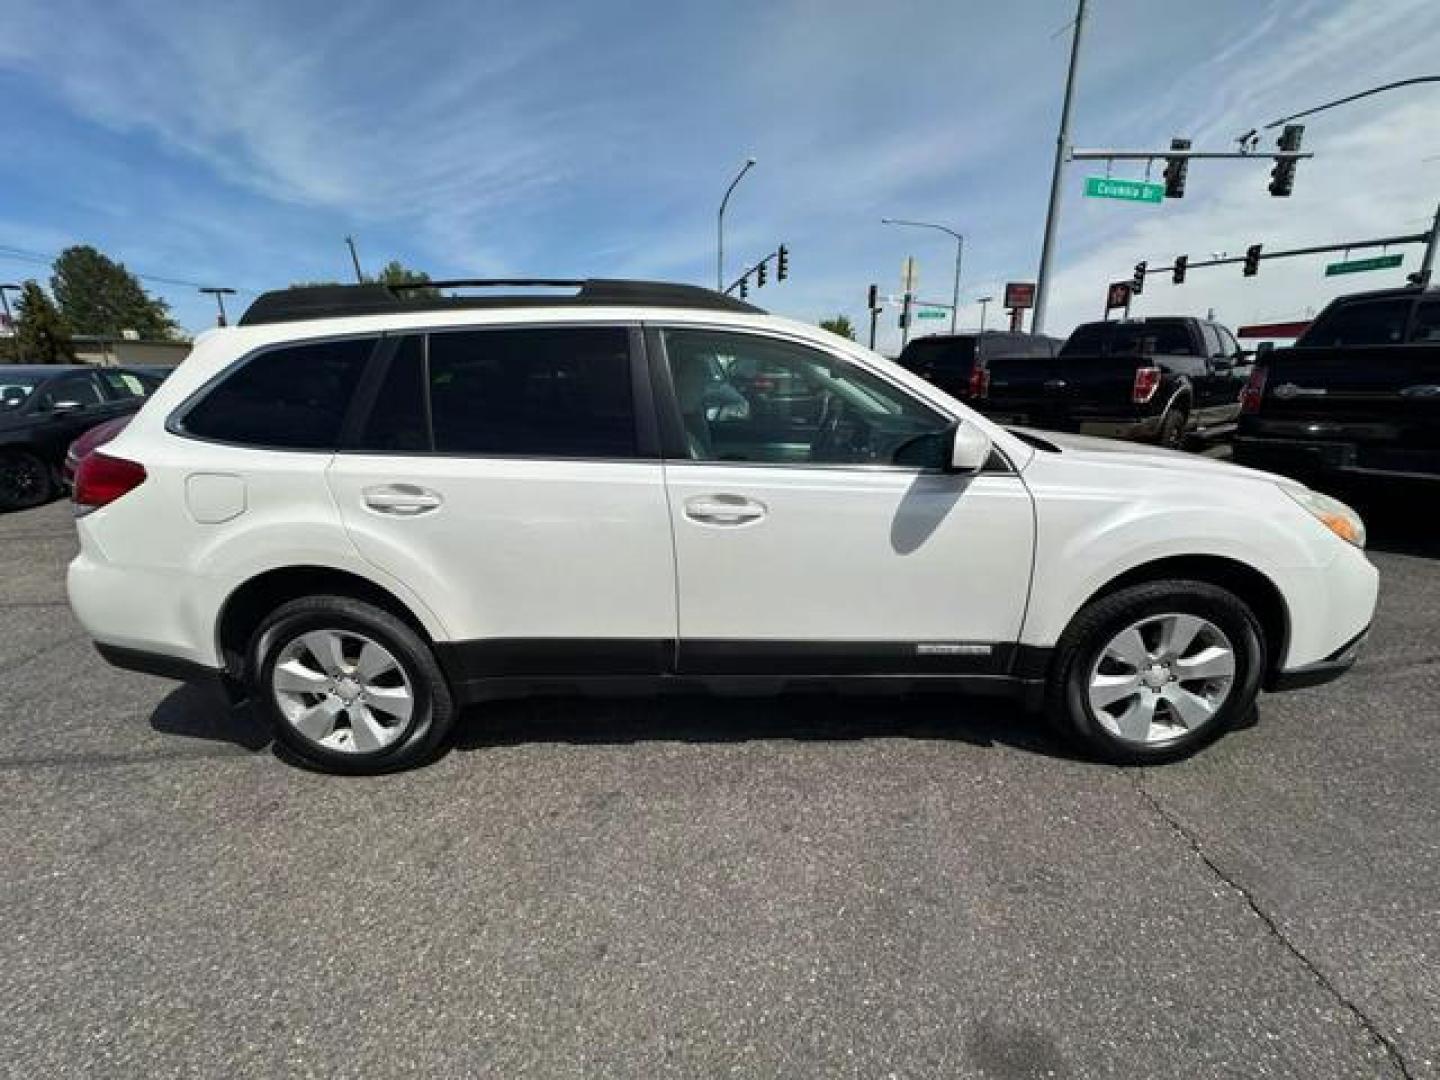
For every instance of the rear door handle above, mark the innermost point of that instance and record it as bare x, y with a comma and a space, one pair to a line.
401, 500
723, 509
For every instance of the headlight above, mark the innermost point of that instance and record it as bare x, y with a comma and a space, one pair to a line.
1332, 513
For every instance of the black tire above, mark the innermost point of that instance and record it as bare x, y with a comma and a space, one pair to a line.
433, 710
1067, 700
1172, 429
25, 481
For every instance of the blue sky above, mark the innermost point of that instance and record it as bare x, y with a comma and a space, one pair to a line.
238, 144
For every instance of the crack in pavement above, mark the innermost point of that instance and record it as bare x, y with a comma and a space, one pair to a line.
1371, 1028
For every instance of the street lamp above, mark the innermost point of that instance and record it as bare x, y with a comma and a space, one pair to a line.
959, 256
983, 301
720, 226
219, 293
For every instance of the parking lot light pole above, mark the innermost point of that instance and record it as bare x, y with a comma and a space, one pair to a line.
984, 302
720, 226
219, 292
959, 257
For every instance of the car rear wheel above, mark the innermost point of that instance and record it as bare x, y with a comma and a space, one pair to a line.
1172, 430
348, 686
1153, 672
25, 480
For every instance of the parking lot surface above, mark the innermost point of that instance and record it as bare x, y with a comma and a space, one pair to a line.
810, 886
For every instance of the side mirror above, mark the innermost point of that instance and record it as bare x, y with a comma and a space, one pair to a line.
1222, 363
969, 449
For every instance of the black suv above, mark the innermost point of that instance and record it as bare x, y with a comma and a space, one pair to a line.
957, 363
45, 407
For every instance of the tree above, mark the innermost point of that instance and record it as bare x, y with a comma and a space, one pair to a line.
839, 325
392, 273
40, 330
99, 296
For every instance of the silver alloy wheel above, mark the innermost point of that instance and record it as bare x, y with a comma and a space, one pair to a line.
1161, 678
342, 691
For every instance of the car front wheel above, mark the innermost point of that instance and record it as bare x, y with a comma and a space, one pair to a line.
348, 686
1153, 672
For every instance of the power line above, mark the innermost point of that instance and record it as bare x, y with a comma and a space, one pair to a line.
26, 255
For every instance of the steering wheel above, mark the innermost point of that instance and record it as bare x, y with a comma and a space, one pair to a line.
828, 441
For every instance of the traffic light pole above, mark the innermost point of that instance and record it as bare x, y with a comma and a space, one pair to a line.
1427, 261
1062, 149
1428, 238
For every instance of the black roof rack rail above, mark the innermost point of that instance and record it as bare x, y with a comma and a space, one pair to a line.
335, 301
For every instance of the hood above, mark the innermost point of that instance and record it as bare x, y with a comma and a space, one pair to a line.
1090, 448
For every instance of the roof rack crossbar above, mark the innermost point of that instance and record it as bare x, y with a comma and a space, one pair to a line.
373, 298
488, 283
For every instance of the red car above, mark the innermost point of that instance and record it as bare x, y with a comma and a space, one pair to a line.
87, 443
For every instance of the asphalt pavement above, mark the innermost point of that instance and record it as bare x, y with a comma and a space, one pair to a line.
809, 886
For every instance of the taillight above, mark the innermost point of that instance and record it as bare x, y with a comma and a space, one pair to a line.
1254, 390
980, 382
101, 479
1147, 381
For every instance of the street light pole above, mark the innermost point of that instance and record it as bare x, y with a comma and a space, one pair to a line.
219, 292
959, 257
1062, 147
720, 226
984, 302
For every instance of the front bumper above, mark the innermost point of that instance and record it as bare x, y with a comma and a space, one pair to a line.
1322, 671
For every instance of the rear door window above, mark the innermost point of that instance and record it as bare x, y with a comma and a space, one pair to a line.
1426, 328
552, 392
1374, 322
290, 398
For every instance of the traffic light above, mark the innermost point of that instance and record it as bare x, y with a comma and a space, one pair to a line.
874, 301
760, 276
744, 288
1137, 283
1252, 260
1282, 176
782, 264
1175, 170
1177, 275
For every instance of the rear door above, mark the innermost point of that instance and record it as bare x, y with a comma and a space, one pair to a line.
509, 475
814, 550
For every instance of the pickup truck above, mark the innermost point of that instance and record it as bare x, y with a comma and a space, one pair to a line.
1158, 380
1358, 393
956, 362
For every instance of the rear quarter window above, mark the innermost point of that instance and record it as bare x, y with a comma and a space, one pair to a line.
290, 398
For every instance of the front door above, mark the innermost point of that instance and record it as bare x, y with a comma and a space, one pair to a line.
810, 536
501, 475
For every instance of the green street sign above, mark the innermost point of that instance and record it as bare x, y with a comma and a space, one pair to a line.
1356, 266
1102, 187
930, 313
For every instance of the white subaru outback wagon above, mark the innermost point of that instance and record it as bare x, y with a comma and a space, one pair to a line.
364, 507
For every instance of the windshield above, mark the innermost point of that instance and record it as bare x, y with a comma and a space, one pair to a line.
1129, 339
14, 392
940, 354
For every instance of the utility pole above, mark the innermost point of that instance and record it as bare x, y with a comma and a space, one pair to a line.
219, 293
355, 260
1062, 147
720, 225
874, 300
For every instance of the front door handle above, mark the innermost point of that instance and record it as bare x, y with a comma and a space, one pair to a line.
723, 509
401, 500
